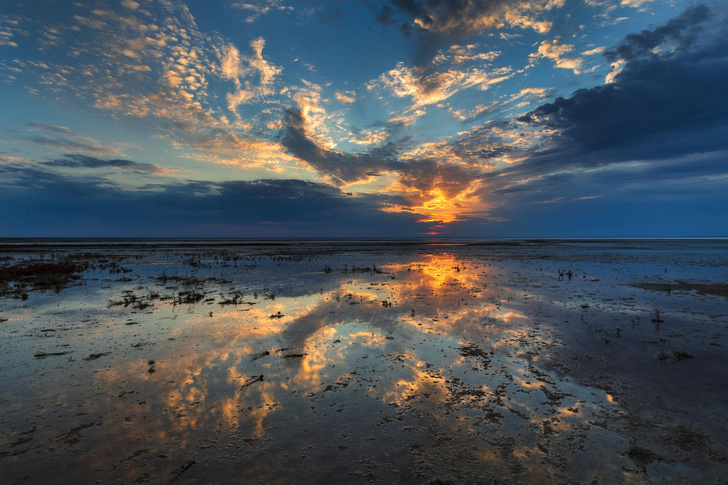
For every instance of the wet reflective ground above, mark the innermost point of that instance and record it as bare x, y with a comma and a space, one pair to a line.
365, 362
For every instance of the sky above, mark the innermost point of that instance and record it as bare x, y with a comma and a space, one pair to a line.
363, 118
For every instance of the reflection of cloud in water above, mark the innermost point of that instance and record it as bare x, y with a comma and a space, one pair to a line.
207, 382
450, 369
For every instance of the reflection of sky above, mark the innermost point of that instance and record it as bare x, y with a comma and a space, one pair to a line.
529, 117
338, 369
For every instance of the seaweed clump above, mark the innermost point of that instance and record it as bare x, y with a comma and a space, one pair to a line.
38, 275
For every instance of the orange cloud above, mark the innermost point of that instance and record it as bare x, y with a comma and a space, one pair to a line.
435, 205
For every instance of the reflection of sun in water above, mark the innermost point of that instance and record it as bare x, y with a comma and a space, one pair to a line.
440, 270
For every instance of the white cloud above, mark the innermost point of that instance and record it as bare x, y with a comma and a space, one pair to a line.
634, 3
257, 8
555, 50
592, 52
242, 70
346, 97
369, 137
434, 87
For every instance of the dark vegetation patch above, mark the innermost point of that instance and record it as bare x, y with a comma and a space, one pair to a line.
260, 355
189, 280
478, 353
38, 275
251, 381
133, 301
641, 457
189, 297
716, 289
686, 438
675, 355
96, 356
42, 355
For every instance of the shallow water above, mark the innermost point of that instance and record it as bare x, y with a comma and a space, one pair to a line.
367, 362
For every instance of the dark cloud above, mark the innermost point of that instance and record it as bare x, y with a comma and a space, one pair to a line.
65, 144
659, 105
651, 143
480, 146
461, 17
83, 161
659, 131
426, 175
681, 30
418, 175
680, 197
413, 9
342, 167
386, 16
52, 128
36, 179
48, 203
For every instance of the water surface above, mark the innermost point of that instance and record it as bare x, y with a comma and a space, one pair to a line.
463, 361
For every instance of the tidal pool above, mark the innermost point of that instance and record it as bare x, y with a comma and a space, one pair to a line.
364, 362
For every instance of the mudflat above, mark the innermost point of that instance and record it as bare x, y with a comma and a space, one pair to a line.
342, 361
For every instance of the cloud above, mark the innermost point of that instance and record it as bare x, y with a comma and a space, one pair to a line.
608, 6
341, 168
130, 4
477, 112
431, 185
221, 100
654, 98
346, 97
386, 16
6, 39
47, 203
67, 145
634, 3
460, 17
439, 191
241, 68
433, 190
83, 161
62, 130
257, 8
659, 127
661, 122
592, 52
369, 137
680, 31
152, 61
440, 22
64, 139
459, 54
556, 51
231, 64
435, 80
525, 97
20, 176
428, 86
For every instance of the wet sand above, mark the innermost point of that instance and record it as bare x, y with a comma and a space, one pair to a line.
364, 362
